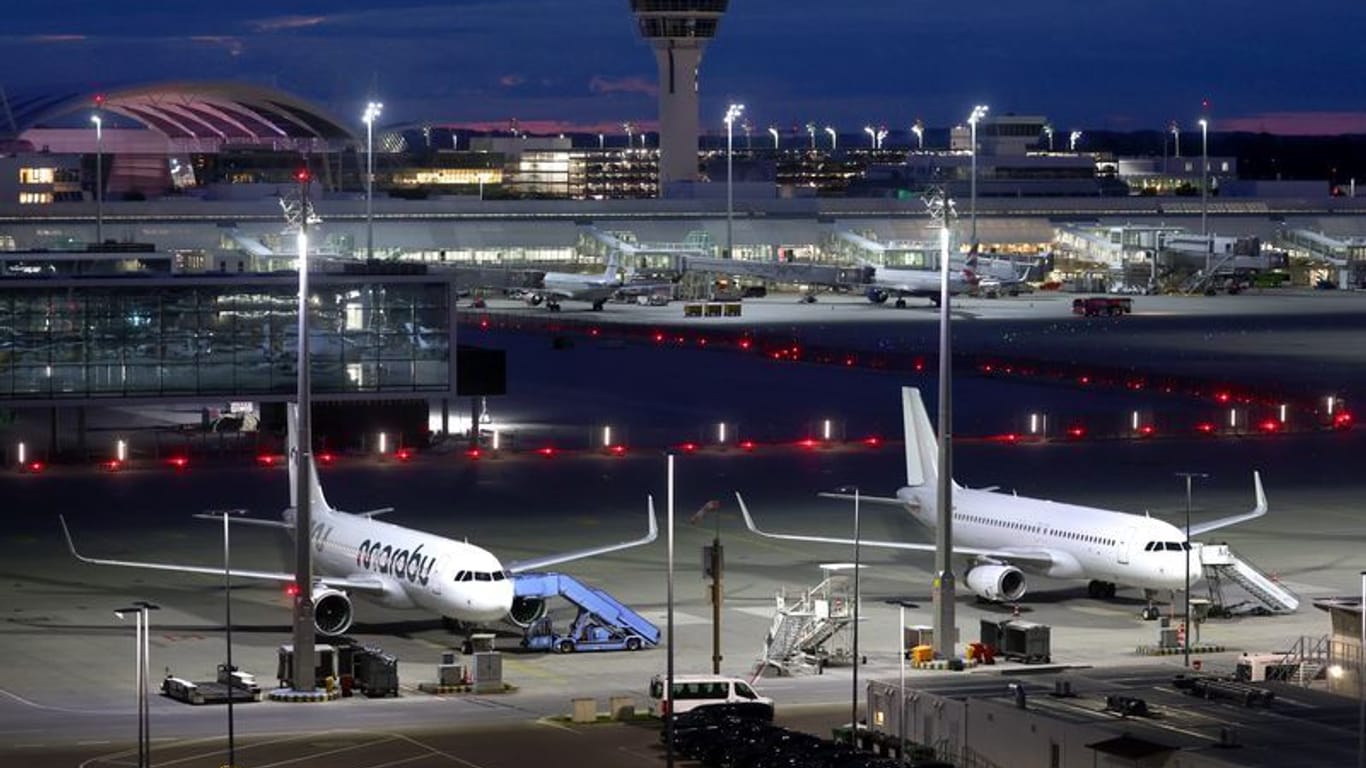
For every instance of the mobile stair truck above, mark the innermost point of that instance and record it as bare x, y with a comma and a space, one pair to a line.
602, 624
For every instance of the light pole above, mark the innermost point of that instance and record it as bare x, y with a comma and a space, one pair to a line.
1176, 132
146, 608
1361, 680
978, 112
1072, 140
1190, 626
372, 111
902, 605
881, 134
919, 130
99, 178
1048, 130
1204, 175
227, 627
773, 131
602, 141
733, 111
853, 702
872, 136
811, 131
669, 668
831, 130
137, 685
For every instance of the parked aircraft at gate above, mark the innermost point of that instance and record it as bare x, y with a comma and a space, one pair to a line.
396, 566
1006, 536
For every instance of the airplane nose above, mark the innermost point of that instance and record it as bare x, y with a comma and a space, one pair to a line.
493, 602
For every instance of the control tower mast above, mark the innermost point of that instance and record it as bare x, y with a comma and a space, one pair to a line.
678, 30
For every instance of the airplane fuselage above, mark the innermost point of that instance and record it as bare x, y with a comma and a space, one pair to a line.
417, 569
1082, 542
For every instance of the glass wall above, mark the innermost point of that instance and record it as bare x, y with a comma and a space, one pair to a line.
77, 340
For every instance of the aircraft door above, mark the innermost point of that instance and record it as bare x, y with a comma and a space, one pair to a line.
1123, 551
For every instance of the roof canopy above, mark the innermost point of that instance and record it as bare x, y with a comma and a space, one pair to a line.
203, 111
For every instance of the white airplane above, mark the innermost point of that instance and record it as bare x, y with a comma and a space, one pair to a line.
1004, 535
574, 286
883, 283
395, 566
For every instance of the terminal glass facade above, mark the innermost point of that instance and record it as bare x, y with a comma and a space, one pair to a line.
221, 338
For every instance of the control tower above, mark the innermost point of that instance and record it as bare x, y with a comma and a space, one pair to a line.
678, 30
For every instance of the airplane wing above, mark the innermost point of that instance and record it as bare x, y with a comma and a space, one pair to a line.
538, 563
1034, 558
353, 583
870, 499
1224, 522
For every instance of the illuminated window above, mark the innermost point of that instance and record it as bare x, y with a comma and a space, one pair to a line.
35, 198
37, 176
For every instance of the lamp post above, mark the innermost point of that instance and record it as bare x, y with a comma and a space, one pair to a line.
372, 111
669, 624
602, 141
1072, 140
143, 624
1176, 132
1204, 175
733, 111
227, 627
831, 130
853, 702
919, 130
773, 131
137, 665
1187, 546
872, 136
1361, 680
1048, 130
881, 134
99, 178
811, 131
978, 112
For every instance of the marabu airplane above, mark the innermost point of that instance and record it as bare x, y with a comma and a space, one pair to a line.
395, 566
1004, 536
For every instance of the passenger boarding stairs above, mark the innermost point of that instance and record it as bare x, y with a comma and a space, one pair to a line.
596, 607
1219, 564
805, 624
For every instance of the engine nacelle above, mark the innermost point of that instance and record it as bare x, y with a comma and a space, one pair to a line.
331, 611
876, 295
526, 611
997, 583
533, 299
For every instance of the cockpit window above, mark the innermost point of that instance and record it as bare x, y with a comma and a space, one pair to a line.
461, 576
499, 575
1173, 546
483, 576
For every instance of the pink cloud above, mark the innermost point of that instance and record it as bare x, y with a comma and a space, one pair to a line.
1296, 123
287, 22
511, 81
600, 84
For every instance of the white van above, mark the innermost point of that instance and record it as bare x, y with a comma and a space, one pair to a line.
692, 691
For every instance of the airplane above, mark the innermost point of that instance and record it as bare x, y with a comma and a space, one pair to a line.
882, 283
1004, 535
396, 566
573, 286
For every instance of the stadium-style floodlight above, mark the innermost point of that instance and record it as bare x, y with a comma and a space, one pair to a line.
1072, 140
811, 131
831, 130
99, 178
919, 130
872, 136
1176, 133
733, 112
1204, 175
372, 112
773, 131
1048, 130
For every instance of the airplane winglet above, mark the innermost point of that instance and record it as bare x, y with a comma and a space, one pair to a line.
744, 512
654, 523
1258, 510
538, 563
70, 543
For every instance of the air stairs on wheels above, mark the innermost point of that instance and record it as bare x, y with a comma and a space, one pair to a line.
808, 628
603, 623
1220, 564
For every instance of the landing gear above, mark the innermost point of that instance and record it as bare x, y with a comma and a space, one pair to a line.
1101, 589
553, 306
597, 305
900, 303
1150, 613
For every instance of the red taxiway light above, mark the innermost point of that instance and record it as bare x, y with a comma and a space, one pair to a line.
35, 466
1076, 433
593, 332
474, 453
746, 445
1222, 397
547, 451
745, 343
1343, 420
1205, 428
659, 338
403, 454
808, 443
1147, 430
179, 462
872, 441
688, 447
1084, 380
327, 458
266, 460
617, 450
1270, 425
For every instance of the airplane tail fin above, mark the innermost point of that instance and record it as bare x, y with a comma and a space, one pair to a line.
922, 449
315, 487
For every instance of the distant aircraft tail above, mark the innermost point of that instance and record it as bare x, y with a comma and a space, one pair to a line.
315, 487
922, 449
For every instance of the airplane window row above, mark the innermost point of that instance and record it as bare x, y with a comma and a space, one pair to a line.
481, 576
1169, 546
1038, 529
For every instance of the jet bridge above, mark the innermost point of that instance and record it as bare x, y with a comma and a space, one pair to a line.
603, 623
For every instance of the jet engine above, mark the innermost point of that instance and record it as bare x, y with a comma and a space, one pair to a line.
331, 611
996, 582
876, 295
526, 611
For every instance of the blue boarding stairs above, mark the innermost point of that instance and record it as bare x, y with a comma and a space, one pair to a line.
603, 623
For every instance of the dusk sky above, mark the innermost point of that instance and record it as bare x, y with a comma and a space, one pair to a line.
564, 64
